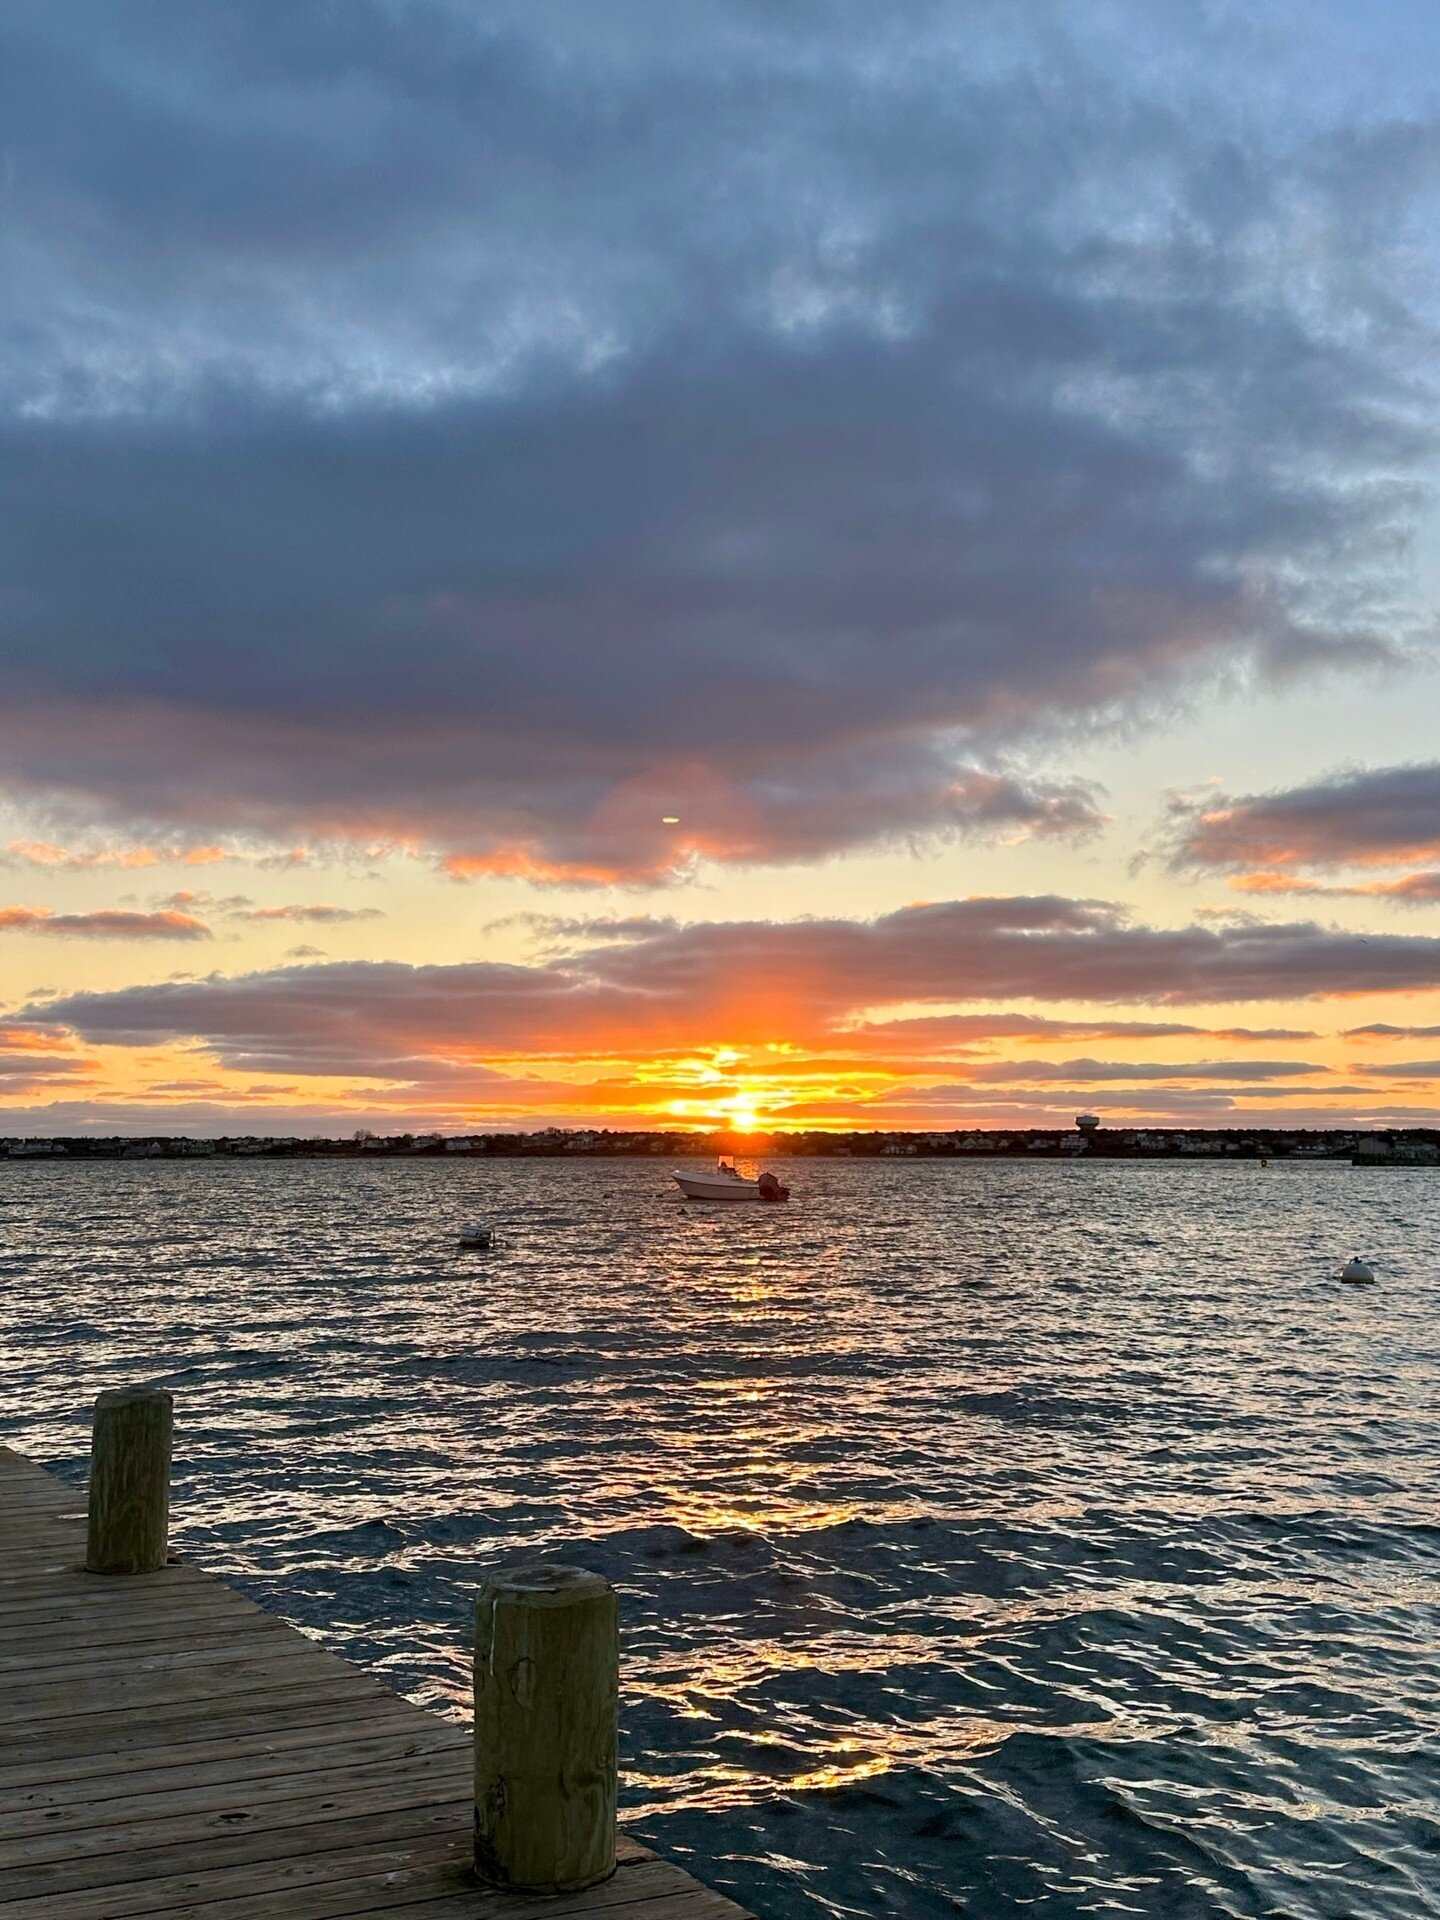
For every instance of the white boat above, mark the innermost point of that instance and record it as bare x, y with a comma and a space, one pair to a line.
724, 1182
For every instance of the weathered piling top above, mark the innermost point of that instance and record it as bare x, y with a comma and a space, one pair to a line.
169, 1749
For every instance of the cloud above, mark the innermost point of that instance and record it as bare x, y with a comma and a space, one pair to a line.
1045, 947
1194, 1101
33, 1060
945, 1029
1377, 817
1402, 1070
239, 906
44, 853
939, 1107
491, 432
107, 923
1413, 890
1077, 1072
107, 854
1232, 1107
1259, 1035
664, 990
1381, 1030
25, 1049
658, 825
318, 914
187, 899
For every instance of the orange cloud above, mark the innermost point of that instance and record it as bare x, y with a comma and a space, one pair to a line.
1414, 889
106, 924
1367, 817
759, 1023
517, 863
1272, 883
44, 853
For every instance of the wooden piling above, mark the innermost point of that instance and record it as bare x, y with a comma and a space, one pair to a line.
129, 1517
546, 1685
170, 1750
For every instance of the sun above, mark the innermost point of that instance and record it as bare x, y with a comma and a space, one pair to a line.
743, 1110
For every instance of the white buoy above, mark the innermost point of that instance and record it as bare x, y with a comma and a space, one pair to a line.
477, 1234
1357, 1272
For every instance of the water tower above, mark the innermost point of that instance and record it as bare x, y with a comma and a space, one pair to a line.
1088, 1123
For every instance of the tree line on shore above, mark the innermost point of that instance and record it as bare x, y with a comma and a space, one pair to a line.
554, 1142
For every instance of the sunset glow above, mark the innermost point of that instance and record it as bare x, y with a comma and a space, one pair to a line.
897, 595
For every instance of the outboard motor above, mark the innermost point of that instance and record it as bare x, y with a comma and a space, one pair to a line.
771, 1189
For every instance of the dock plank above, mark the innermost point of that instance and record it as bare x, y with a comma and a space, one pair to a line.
174, 1752
293, 1752
161, 1680
220, 1813
148, 1596
441, 1887
182, 1808
177, 1723
35, 1652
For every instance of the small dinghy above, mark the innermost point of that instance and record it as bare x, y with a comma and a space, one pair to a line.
1357, 1273
724, 1182
477, 1236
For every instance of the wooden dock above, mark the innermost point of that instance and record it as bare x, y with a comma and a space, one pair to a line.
168, 1748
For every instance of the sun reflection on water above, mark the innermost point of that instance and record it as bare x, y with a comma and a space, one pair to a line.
984, 1533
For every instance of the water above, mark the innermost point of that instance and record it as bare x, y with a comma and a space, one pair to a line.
992, 1538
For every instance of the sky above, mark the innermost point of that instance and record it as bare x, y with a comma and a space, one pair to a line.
763, 564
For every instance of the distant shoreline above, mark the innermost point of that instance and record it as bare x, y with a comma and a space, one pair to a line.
1380, 1146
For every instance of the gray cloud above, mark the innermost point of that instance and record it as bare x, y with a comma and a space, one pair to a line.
21, 1044
1041, 947
33, 1060
106, 923
662, 985
938, 1030
1376, 816
1410, 890
1090, 1072
316, 914
1236, 1107
500, 431
239, 906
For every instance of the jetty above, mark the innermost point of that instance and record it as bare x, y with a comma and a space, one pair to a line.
170, 1749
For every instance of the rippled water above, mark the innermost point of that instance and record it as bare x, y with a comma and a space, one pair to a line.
991, 1537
